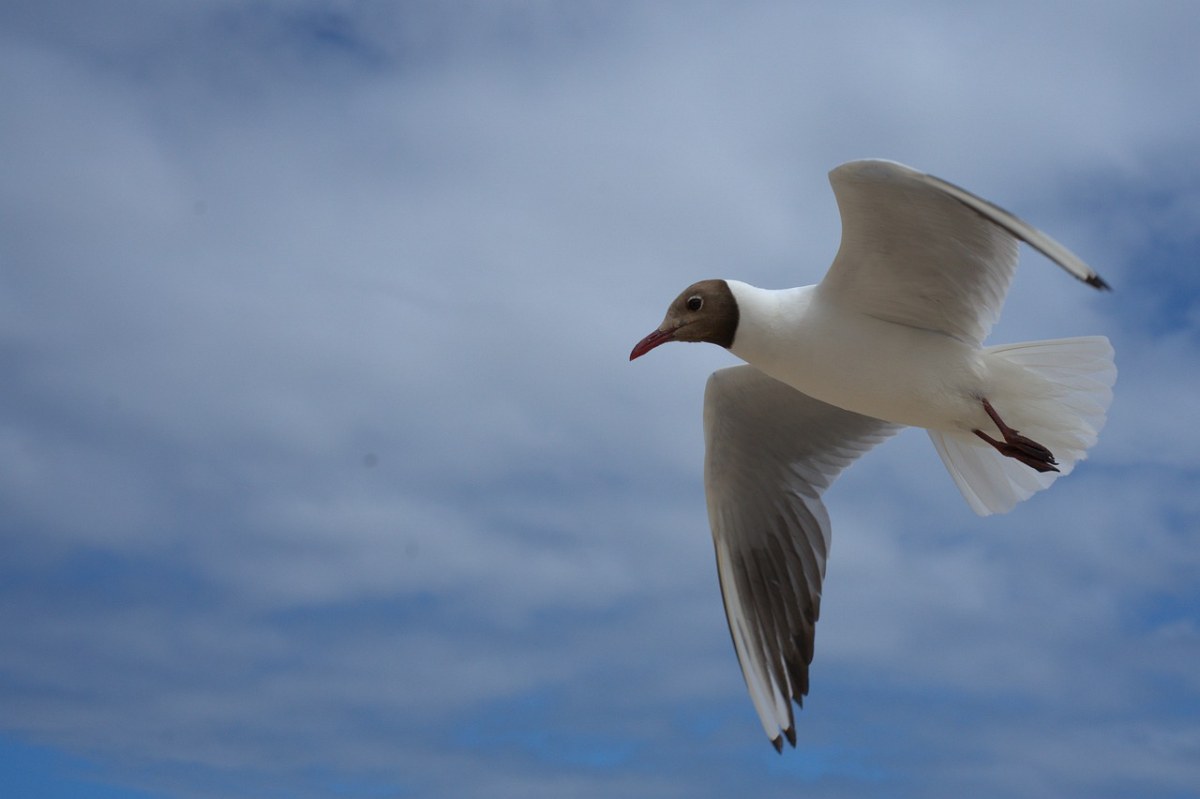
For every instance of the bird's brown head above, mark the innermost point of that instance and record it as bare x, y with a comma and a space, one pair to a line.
705, 311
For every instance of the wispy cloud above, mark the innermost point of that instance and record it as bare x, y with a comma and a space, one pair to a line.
323, 469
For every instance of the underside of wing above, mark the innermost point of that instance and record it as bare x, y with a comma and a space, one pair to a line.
770, 453
923, 252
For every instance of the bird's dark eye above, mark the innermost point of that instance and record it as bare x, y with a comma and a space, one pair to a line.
695, 302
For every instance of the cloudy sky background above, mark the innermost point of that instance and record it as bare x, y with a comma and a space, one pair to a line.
323, 471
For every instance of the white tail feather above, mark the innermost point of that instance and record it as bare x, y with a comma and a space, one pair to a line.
1058, 397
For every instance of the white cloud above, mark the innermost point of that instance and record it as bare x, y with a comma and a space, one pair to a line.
320, 449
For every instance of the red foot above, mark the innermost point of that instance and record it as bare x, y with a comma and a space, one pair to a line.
1017, 446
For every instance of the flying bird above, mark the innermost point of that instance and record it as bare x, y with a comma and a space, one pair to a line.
892, 336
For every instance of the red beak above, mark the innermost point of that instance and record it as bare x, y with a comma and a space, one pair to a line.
651, 341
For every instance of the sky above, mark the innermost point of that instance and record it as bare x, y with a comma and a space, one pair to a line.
324, 473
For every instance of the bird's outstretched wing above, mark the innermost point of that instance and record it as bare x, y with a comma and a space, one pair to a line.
770, 453
919, 251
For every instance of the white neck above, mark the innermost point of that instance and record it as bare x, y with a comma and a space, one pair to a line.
770, 322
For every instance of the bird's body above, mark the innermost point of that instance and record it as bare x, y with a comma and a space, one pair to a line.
894, 372
892, 336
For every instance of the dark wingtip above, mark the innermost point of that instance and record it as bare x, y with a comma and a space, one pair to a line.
1095, 281
790, 734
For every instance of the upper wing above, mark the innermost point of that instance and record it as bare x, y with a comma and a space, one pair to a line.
770, 453
923, 252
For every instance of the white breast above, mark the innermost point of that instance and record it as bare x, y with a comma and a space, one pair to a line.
877, 368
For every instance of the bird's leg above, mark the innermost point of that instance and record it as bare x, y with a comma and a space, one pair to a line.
1015, 445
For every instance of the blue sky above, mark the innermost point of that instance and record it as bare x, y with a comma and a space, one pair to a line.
324, 473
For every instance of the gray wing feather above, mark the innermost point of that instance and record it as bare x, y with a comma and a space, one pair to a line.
923, 252
770, 453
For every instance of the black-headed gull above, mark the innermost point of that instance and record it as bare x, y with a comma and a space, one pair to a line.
892, 336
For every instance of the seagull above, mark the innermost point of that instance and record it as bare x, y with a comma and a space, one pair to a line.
891, 337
